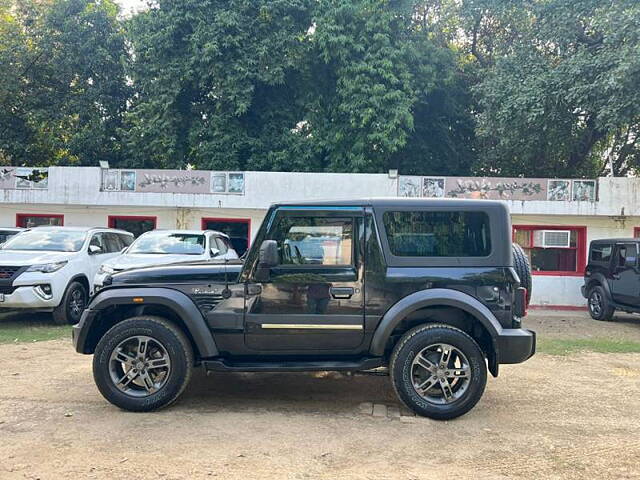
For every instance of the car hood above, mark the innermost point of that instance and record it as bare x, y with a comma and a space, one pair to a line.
139, 260
181, 273
26, 257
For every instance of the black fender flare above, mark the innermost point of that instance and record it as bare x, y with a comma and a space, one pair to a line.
434, 297
598, 279
177, 301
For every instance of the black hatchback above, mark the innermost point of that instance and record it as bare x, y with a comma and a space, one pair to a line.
612, 277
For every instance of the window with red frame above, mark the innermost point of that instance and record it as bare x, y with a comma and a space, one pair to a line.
636, 232
238, 230
30, 220
568, 260
133, 224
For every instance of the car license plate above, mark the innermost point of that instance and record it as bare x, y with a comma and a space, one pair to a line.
1, 297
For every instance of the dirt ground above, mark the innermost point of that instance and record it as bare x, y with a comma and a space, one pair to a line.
575, 416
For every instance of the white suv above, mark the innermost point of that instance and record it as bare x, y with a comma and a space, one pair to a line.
162, 247
51, 268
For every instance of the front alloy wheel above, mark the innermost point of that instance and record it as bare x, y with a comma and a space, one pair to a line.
77, 303
143, 363
139, 366
73, 303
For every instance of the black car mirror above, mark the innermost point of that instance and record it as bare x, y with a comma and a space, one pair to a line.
267, 258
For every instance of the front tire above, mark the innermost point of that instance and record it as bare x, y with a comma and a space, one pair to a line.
599, 306
143, 363
438, 371
73, 303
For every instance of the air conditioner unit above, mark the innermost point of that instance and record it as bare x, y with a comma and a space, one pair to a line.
552, 238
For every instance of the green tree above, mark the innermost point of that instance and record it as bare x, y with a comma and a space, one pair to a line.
63, 90
215, 82
557, 92
329, 85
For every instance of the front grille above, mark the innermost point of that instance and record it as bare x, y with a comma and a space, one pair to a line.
8, 272
7, 290
206, 303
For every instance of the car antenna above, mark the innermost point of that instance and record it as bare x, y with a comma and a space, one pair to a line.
226, 293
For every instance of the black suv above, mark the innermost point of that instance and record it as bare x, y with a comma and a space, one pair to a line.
429, 290
612, 277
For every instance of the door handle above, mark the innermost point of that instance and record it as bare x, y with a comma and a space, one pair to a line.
342, 292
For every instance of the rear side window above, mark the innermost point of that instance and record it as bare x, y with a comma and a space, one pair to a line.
601, 253
112, 242
438, 234
126, 239
221, 245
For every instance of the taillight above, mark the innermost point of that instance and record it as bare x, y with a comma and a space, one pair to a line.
521, 302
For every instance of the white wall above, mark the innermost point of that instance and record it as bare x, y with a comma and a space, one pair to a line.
75, 193
81, 186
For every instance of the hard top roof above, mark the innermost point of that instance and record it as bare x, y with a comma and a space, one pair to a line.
394, 202
616, 240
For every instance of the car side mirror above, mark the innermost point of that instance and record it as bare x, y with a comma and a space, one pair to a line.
94, 249
214, 252
267, 258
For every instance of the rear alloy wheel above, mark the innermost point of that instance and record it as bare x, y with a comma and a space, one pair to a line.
73, 304
143, 363
438, 371
599, 306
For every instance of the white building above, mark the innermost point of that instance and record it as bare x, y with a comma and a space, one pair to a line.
235, 202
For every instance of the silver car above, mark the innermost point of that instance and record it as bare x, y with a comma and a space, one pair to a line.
162, 247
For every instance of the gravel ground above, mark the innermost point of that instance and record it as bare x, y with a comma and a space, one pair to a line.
575, 416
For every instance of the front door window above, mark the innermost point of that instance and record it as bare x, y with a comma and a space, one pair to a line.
313, 299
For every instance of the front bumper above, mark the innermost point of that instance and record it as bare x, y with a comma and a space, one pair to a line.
515, 345
25, 297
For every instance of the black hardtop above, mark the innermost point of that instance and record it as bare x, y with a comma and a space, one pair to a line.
497, 211
608, 241
399, 202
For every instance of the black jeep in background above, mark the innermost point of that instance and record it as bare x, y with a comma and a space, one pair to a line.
612, 277
430, 290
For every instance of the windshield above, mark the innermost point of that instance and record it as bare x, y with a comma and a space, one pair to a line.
49, 240
6, 234
173, 243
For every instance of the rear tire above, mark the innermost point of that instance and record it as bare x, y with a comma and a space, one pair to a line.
599, 305
522, 268
73, 303
143, 379
432, 382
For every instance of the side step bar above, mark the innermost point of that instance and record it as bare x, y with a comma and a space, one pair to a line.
225, 365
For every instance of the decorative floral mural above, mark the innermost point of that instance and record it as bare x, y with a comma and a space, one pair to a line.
24, 178
498, 188
172, 181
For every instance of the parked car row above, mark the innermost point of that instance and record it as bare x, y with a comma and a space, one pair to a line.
56, 269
